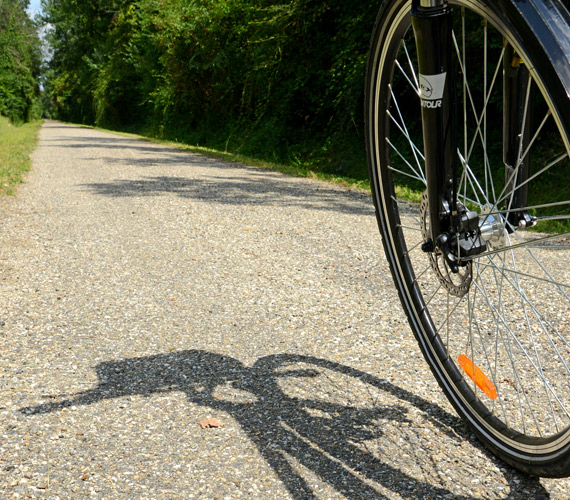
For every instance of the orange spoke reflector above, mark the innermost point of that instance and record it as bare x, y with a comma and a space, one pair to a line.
474, 373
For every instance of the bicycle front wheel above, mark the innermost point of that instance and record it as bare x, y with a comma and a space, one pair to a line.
496, 334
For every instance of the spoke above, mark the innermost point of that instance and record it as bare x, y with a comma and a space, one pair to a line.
514, 174
426, 304
417, 175
408, 227
523, 124
536, 311
417, 245
544, 169
531, 207
496, 316
536, 134
523, 296
518, 245
470, 315
403, 123
485, 104
520, 273
404, 173
405, 134
463, 184
414, 87
405, 212
544, 205
498, 335
541, 265
446, 323
465, 199
416, 278
472, 178
417, 85
492, 367
552, 217
478, 118
508, 349
544, 323
523, 350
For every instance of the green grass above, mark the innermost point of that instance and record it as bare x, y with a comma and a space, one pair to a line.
16, 145
298, 169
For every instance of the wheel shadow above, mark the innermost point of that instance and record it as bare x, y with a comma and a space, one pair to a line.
287, 423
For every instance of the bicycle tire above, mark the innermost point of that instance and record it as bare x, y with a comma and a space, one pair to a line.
505, 313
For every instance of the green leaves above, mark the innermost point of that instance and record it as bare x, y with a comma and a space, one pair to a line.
20, 59
257, 76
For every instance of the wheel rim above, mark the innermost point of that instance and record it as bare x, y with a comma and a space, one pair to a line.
512, 319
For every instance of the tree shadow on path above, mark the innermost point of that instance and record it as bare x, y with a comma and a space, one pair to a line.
326, 435
220, 181
256, 188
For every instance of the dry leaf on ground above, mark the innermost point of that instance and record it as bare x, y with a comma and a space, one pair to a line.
210, 423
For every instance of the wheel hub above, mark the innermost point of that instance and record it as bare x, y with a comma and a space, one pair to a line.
493, 229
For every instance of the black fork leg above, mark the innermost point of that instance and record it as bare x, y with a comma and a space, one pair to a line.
432, 22
517, 112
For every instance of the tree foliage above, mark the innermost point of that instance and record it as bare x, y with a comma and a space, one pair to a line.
20, 61
254, 75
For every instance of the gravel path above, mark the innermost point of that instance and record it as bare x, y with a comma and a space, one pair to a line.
145, 290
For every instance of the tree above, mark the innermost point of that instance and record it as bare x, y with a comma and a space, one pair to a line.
252, 75
20, 61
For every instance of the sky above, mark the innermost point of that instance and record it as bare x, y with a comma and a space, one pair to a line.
34, 7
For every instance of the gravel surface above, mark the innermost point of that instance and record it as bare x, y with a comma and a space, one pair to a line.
146, 290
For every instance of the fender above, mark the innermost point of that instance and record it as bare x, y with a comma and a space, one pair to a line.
547, 21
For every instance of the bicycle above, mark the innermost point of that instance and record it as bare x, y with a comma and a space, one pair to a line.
467, 131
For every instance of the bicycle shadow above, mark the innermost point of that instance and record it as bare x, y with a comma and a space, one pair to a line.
325, 436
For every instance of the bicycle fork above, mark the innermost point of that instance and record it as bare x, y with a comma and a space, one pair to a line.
455, 231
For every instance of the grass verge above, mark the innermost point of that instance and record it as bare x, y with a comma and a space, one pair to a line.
16, 145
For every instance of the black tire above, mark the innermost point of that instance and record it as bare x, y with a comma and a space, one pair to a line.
508, 311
